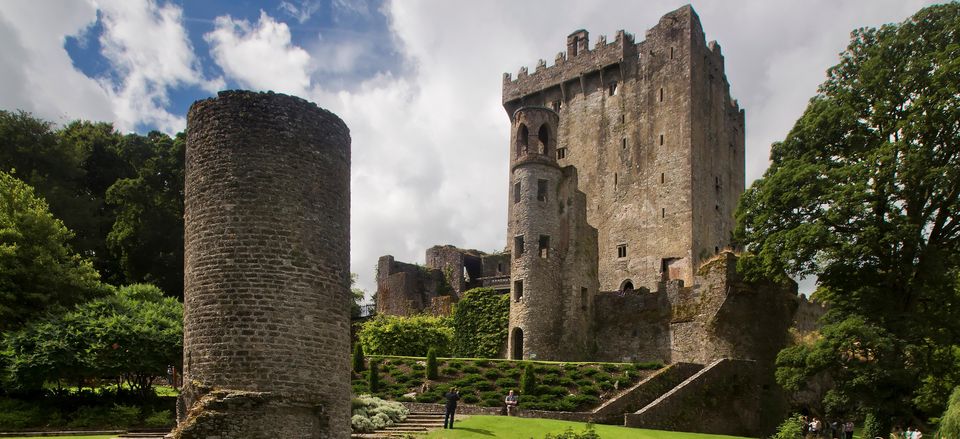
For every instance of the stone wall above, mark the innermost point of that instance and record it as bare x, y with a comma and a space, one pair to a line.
267, 239
644, 392
723, 398
406, 289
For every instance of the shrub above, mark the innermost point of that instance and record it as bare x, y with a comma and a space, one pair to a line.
588, 433
118, 416
479, 323
609, 368
158, 419
528, 383
590, 390
950, 421
551, 379
470, 398
471, 369
491, 374
871, 427
15, 415
373, 378
371, 413
455, 364
405, 336
448, 371
428, 397
482, 363
483, 385
358, 365
432, 364
507, 383
790, 428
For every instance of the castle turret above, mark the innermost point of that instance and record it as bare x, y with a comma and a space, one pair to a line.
534, 224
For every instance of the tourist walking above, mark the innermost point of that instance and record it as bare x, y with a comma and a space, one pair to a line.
848, 430
452, 397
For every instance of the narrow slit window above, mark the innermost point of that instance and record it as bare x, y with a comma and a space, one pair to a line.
499, 267
517, 246
583, 299
623, 143
622, 251
517, 290
623, 118
663, 212
661, 94
615, 180
671, 57
544, 246
516, 192
661, 142
612, 88
661, 178
541, 190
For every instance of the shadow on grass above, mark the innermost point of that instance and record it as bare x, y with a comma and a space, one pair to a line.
476, 430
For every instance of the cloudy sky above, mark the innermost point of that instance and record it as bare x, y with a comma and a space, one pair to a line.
418, 82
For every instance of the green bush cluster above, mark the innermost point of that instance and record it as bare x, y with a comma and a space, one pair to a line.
405, 336
371, 413
81, 411
480, 323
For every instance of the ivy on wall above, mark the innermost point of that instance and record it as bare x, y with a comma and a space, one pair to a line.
480, 322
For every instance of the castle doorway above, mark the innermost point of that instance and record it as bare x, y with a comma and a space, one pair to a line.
517, 344
627, 285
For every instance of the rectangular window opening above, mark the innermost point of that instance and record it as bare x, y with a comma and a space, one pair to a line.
541, 190
557, 105
622, 251
517, 246
661, 94
663, 212
517, 290
661, 143
561, 153
623, 143
516, 192
615, 180
661, 178
612, 88
544, 246
623, 118
671, 57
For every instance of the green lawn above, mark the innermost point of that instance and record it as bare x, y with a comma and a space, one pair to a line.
487, 427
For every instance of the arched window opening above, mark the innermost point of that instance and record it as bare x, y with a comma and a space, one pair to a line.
517, 344
523, 136
544, 136
626, 286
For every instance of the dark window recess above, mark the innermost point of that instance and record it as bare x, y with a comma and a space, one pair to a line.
523, 136
671, 57
541, 190
499, 267
516, 192
661, 143
622, 251
517, 290
557, 105
561, 153
612, 88
583, 298
661, 178
663, 212
716, 181
517, 246
623, 143
661, 94
544, 246
615, 180
716, 250
623, 118
543, 135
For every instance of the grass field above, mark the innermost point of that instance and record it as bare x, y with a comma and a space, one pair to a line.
488, 427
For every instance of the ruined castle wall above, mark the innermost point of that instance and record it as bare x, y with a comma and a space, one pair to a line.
267, 238
406, 289
632, 326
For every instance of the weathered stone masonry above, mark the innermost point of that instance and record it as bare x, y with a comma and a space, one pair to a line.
266, 303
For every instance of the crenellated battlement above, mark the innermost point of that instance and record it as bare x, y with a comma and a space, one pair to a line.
580, 60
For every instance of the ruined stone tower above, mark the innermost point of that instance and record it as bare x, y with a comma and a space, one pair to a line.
657, 143
266, 302
552, 274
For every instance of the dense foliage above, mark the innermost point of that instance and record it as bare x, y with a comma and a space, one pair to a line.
358, 359
371, 413
864, 194
130, 336
790, 428
410, 336
122, 196
38, 270
480, 321
432, 371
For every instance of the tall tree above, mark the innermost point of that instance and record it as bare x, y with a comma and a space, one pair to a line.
38, 270
864, 193
147, 234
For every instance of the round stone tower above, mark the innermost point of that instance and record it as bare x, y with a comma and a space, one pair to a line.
534, 227
267, 243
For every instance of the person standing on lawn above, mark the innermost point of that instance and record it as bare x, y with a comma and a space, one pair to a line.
452, 397
511, 400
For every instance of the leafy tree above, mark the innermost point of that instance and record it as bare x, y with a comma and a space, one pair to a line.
480, 321
373, 377
864, 193
38, 270
357, 294
131, 335
147, 234
432, 373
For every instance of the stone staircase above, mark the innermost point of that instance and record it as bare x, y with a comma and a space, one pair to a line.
416, 423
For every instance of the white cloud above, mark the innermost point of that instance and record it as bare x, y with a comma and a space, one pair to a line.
260, 56
149, 50
36, 74
302, 11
